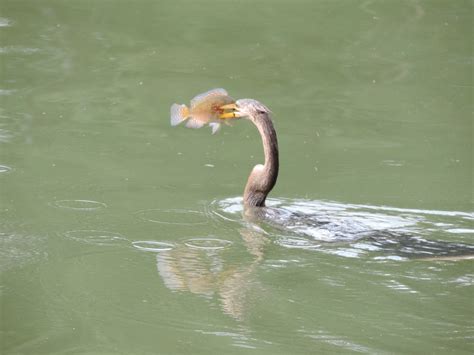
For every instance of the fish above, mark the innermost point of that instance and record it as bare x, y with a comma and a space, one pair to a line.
204, 109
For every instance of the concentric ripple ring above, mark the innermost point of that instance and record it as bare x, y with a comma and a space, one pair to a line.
207, 243
153, 246
79, 205
5, 169
173, 216
96, 237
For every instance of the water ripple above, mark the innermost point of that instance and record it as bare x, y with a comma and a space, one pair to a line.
79, 205
153, 246
5, 22
354, 230
338, 342
395, 285
5, 169
5, 135
18, 50
17, 249
173, 216
6, 92
96, 237
296, 243
208, 243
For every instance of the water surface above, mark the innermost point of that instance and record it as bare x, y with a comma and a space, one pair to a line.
120, 234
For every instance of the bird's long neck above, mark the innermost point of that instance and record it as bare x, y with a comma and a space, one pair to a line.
263, 178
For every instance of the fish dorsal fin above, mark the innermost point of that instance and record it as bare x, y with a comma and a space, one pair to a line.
204, 96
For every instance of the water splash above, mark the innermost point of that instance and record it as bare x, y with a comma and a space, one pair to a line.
354, 230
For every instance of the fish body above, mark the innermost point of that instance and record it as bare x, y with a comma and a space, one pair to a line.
204, 109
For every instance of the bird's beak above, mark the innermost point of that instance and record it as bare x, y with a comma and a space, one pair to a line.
234, 111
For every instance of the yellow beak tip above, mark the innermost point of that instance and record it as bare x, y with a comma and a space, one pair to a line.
229, 107
226, 115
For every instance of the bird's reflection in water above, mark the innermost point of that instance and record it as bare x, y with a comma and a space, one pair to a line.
209, 274
370, 232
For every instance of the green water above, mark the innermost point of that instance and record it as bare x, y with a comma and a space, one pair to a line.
122, 235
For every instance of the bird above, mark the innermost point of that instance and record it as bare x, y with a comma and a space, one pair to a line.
263, 177
215, 107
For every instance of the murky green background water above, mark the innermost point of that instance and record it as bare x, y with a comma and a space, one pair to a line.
122, 235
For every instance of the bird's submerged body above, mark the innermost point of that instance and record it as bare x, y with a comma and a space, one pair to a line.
204, 109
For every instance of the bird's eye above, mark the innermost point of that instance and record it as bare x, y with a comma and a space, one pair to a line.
260, 111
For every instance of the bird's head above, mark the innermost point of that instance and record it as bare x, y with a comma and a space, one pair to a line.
244, 108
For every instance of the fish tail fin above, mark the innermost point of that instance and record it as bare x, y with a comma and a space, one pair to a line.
179, 113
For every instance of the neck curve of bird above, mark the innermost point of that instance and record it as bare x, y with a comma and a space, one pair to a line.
263, 177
